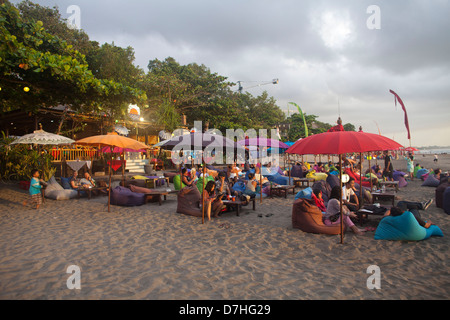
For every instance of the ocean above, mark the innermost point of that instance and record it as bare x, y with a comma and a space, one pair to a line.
433, 151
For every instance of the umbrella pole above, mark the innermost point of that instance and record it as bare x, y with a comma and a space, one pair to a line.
340, 196
360, 180
109, 189
370, 173
203, 192
260, 184
289, 168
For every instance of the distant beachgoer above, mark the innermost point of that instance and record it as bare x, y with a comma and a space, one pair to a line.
410, 165
435, 158
388, 167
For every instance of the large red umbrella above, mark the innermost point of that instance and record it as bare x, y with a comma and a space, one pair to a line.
342, 142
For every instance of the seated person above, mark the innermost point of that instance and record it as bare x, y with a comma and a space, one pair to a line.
437, 173
317, 197
75, 181
252, 187
349, 197
258, 177
297, 170
88, 181
213, 203
186, 178
398, 211
333, 212
222, 185
319, 167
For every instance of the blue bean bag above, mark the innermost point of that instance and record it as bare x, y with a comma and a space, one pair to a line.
279, 179
121, 196
404, 227
421, 172
304, 194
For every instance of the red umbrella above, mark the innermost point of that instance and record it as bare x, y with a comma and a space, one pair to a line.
341, 142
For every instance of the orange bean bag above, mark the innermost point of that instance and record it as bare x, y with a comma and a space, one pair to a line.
307, 217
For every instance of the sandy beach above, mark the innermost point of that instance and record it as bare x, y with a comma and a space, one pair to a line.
152, 252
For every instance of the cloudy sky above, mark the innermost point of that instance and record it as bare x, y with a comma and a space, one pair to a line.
331, 57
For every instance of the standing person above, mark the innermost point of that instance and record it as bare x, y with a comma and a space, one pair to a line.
388, 167
35, 189
410, 165
435, 158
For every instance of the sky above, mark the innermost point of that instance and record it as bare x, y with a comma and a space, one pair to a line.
332, 58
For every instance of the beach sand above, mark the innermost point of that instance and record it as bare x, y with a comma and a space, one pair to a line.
152, 252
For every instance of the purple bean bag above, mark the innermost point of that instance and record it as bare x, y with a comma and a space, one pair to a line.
121, 196
446, 202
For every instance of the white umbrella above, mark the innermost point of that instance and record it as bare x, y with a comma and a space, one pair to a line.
41, 137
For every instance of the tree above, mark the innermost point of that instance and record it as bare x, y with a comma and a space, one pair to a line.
40, 69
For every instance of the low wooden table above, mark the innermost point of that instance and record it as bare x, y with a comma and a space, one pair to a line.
389, 196
300, 182
238, 203
392, 184
89, 191
151, 183
160, 194
279, 190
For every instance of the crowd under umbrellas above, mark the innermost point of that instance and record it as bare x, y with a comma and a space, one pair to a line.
340, 143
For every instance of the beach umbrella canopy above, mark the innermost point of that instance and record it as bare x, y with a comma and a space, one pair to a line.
200, 141
411, 149
42, 137
112, 141
341, 142
263, 142
119, 150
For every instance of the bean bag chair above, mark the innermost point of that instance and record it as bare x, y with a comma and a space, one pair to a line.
304, 194
177, 182
55, 191
355, 176
121, 196
297, 171
400, 177
189, 199
65, 183
333, 181
239, 186
135, 182
278, 179
421, 172
317, 175
324, 187
440, 194
446, 202
307, 217
404, 227
431, 181
200, 182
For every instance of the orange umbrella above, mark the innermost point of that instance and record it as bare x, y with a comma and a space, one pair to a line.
112, 140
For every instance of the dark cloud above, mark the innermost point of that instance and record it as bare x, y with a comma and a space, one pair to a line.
322, 52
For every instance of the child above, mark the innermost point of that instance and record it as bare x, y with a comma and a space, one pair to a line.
35, 189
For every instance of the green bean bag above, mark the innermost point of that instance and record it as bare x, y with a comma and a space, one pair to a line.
405, 227
200, 182
177, 183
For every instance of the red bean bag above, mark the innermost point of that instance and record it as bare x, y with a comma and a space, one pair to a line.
365, 183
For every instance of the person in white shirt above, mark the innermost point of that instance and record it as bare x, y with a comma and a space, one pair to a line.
349, 196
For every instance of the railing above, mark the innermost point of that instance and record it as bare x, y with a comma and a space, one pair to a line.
72, 154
